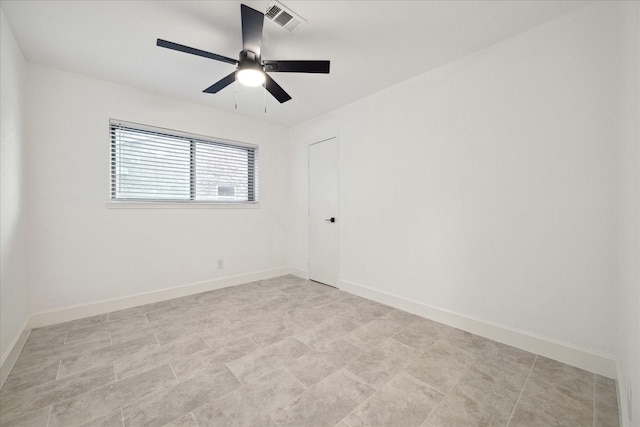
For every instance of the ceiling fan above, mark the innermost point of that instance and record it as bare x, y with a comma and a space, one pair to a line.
250, 68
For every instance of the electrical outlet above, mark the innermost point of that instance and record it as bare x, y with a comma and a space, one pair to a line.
220, 264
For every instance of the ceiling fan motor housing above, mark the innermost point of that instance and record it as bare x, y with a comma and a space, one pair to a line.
249, 59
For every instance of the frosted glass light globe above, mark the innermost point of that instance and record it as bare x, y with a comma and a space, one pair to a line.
251, 77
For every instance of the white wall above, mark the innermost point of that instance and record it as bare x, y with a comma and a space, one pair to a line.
628, 308
81, 251
14, 308
488, 187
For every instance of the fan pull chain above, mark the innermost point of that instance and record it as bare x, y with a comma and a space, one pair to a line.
236, 90
264, 97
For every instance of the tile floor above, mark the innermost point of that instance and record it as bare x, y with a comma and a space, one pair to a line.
288, 352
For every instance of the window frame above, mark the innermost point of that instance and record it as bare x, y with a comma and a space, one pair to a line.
191, 202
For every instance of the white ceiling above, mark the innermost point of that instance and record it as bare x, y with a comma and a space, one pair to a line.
371, 44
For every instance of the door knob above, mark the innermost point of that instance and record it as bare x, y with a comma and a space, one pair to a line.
332, 219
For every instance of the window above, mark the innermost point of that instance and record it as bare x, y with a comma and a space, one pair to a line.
153, 164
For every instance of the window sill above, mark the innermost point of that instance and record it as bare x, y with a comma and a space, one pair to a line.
180, 205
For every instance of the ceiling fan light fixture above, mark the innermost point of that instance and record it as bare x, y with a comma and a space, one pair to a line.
251, 76
250, 69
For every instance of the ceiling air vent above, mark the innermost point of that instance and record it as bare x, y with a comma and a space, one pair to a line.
283, 16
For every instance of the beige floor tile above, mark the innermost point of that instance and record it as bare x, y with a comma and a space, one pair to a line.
118, 326
32, 399
157, 355
606, 403
326, 332
173, 403
45, 337
318, 364
326, 403
142, 309
406, 319
441, 366
112, 420
403, 402
184, 421
79, 323
532, 411
105, 400
373, 333
379, 365
334, 310
202, 361
364, 311
221, 334
420, 333
557, 381
474, 402
502, 365
30, 376
273, 329
250, 404
75, 363
465, 341
44, 353
264, 360
167, 314
37, 418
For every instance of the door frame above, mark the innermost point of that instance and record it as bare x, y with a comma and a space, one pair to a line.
312, 142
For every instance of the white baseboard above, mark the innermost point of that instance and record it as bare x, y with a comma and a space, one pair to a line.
38, 320
602, 364
12, 352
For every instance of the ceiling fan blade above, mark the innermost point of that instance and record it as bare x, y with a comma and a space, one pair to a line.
193, 51
252, 22
297, 66
221, 84
275, 89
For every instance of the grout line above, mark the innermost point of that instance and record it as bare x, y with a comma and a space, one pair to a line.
284, 368
205, 341
445, 393
49, 417
359, 405
194, 418
234, 374
174, 372
344, 420
353, 376
423, 383
513, 411
208, 402
58, 371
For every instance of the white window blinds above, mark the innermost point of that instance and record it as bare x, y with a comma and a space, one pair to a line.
153, 164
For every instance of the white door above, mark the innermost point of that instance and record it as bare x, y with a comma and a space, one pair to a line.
323, 212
